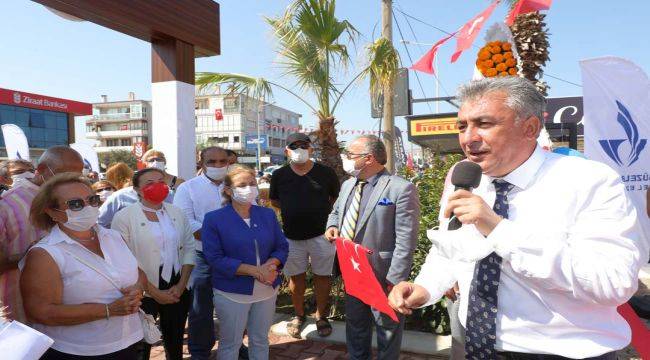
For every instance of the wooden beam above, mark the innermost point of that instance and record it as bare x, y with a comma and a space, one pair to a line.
172, 60
195, 22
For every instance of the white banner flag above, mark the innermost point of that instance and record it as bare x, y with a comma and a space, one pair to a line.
91, 160
15, 142
617, 124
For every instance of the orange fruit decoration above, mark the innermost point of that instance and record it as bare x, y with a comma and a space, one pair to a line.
496, 59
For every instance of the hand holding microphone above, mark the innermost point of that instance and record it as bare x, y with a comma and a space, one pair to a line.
466, 207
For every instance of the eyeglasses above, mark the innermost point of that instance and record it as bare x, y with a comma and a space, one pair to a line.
348, 155
79, 203
295, 146
156, 159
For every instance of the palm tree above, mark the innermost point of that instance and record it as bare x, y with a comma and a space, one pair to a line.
313, 48
531, 38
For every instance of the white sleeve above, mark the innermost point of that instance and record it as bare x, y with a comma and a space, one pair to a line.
596, 259
437, 275
183, 201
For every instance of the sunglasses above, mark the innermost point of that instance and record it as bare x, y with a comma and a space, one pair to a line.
295, 146
78, 204
155, 159
104, 189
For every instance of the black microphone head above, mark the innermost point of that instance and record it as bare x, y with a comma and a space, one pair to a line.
466, 175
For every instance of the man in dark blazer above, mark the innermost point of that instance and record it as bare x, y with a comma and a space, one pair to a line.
381, 212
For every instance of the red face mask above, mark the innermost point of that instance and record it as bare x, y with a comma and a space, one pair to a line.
155, 192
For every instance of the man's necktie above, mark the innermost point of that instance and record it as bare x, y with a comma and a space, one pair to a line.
482, 302
352, 215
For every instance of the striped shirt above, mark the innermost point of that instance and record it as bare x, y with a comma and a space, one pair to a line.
16, 236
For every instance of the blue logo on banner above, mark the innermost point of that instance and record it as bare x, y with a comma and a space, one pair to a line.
632, 132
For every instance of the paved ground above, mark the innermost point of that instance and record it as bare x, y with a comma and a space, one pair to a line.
286, 347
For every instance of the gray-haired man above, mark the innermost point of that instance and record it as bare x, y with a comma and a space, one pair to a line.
380, 211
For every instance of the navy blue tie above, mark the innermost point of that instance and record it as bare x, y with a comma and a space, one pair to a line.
482, 302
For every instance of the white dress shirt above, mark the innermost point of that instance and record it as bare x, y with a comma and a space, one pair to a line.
197, 197
571, 250
81, 285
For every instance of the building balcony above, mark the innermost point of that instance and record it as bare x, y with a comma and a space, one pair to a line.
104, 149
116, 134
113, 118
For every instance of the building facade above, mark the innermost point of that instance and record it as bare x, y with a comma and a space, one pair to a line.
46, 121
232, 121
118, 125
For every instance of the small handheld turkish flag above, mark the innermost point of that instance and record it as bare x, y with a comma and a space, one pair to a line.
470, 30
359, 279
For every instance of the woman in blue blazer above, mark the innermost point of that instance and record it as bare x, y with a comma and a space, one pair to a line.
245, 248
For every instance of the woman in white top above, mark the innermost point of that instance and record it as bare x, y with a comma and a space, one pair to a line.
64, 295
160, 237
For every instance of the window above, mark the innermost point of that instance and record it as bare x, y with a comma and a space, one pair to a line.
112, 142
235, 139
219, 139
37, 120
125, 142
231, 104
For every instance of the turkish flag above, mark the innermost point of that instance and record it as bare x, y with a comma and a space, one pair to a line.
640, 333
359, 278
425, 64
469, 31
526, 6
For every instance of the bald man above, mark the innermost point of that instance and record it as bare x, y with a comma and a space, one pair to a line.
16, 233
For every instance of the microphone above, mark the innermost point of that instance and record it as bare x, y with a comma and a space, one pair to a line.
466, 176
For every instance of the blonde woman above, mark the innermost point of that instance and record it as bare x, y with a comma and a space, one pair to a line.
64, 295
119, 175
245, 248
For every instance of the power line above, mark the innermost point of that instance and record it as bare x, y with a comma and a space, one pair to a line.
420, 46
475, 46
408, 53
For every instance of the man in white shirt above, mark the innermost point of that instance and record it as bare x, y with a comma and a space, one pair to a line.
549, 246
196, 197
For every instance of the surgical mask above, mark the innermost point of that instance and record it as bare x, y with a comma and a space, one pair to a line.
19, 179
160, 165
216, 173
349, 167
299, 156
245, 195
103, 195
83, 219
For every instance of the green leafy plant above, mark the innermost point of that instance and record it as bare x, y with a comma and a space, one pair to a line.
112, 157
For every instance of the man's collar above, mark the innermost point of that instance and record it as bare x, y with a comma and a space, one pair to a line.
522, 176
209, 181
375, 178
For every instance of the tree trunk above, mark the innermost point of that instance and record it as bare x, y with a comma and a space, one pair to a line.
327, 142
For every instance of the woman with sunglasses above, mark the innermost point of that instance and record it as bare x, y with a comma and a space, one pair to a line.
104, 189
65, 283
156, 159
161, 238
245, 248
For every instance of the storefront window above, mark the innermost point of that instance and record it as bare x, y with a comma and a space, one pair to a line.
42, 128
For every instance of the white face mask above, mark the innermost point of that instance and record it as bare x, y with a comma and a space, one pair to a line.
21, 178
160, 165
103, 195
299, 156
83, 219
216, 173
349, 166
244, 195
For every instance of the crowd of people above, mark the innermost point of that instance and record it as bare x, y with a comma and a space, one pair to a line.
548, 247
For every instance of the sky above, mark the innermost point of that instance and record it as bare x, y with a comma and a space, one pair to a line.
45, 54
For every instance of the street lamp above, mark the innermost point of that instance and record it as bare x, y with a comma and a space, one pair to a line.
260, 107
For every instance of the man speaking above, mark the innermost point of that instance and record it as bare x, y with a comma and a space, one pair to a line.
549, 245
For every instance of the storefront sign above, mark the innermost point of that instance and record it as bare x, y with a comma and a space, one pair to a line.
437, 126
41, 102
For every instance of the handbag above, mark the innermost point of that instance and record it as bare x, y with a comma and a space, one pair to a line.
151, 332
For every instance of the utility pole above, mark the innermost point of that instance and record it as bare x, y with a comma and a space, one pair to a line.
388, 118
